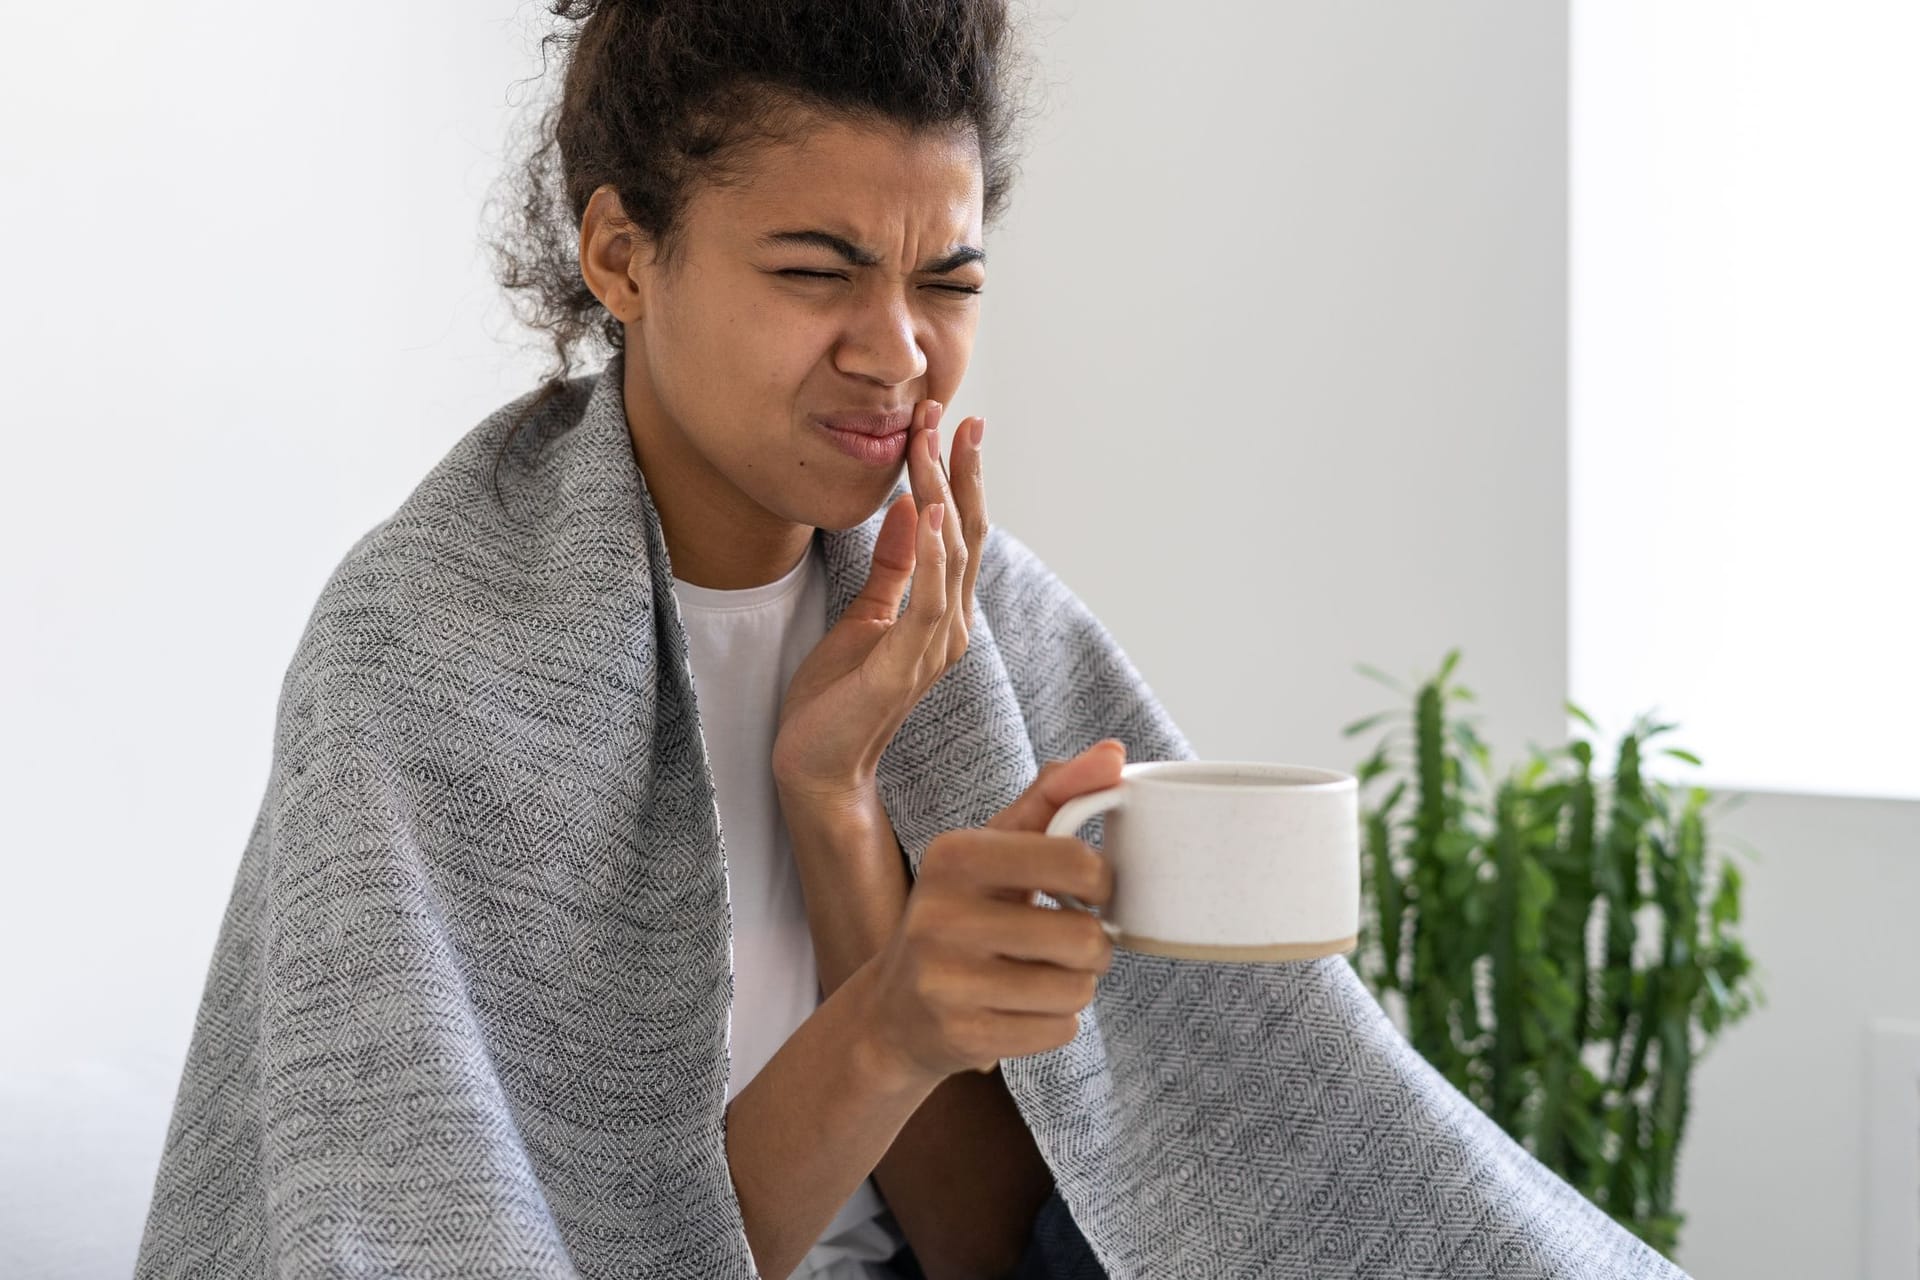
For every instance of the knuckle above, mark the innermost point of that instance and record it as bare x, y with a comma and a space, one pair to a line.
1093, 872
973, 1039
1093, 941
963, 850
939, 991
921, 984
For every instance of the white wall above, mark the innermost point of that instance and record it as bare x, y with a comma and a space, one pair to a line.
1316, 419
1773, 1166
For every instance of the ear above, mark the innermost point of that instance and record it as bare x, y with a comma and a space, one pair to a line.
615, 255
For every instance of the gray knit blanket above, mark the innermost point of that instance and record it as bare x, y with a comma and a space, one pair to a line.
467, 1011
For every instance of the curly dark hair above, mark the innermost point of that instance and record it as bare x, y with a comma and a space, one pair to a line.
661, 94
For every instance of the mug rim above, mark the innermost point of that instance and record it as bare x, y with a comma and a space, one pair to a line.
1319, 779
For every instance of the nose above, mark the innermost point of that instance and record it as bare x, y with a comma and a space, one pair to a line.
881, 344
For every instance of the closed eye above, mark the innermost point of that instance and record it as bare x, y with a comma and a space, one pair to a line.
834, 275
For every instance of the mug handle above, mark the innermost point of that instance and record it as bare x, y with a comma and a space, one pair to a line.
1070, 818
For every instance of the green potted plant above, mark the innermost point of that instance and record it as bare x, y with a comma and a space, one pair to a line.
1550, 941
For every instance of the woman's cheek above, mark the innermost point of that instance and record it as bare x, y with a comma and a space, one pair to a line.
950, 348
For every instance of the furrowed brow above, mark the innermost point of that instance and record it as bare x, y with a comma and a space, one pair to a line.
960, 257
856, 255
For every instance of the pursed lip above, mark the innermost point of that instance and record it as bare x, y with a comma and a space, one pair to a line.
868, 423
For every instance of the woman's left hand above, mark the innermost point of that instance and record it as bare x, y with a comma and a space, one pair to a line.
853, 691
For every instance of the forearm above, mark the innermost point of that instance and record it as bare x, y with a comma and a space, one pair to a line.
803, 1133
963, 1177
854, 879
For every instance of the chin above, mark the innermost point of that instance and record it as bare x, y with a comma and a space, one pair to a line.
843, 509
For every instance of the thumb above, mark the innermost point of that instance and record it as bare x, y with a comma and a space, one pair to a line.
1094, 769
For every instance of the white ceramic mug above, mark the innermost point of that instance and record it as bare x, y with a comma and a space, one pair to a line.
1227, 860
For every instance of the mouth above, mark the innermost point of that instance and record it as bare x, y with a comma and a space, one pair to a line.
877, 437
882, 422
876, 450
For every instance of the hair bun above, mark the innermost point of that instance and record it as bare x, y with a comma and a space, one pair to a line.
582, 10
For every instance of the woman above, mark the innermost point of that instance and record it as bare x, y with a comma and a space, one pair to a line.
641, 891
791, 337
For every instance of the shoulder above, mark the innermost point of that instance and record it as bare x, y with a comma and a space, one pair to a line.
1073, 679
1014, 577
447, 563
1026, 600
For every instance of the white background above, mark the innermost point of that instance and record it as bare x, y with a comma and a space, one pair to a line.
1745, 412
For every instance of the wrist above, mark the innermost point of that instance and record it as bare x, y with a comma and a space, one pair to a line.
829, 799
842, 817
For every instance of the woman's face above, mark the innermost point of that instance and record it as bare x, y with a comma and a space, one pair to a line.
841, 277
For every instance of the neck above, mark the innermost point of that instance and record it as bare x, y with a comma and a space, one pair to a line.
716, 536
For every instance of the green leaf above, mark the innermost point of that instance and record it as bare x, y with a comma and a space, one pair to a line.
1362, 725
1688, 756
1374, 673
1446, 668
1718, 990
1453, 845
1726, 899
1574, 711
1474, 910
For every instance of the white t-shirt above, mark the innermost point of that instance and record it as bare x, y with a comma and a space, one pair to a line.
744, 647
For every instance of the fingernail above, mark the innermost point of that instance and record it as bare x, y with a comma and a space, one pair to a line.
938, 512
1111, 929
979, 431
932, 437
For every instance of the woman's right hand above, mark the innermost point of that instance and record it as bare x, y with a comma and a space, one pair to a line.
975, 971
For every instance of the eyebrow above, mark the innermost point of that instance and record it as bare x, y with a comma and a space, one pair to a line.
858, 256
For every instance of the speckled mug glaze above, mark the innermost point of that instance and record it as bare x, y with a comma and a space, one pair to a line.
1228, 859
